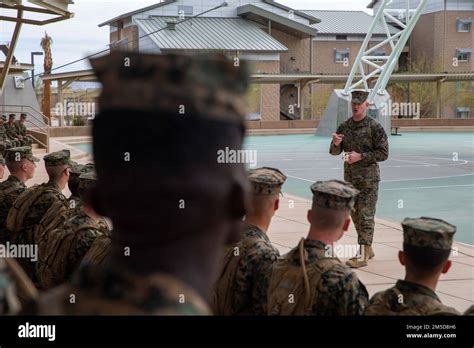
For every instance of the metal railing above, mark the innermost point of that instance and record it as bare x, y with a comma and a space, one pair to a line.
36, 121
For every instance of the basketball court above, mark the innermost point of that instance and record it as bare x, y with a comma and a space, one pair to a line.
427, 174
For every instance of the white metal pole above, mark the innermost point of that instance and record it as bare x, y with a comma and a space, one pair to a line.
365, 44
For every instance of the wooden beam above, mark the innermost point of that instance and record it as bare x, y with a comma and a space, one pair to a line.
34, 22
28, 8
11, 50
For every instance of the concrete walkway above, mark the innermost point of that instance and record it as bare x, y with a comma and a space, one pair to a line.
456, 288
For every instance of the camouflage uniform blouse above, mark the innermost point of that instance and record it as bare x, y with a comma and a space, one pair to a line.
339, 291
9, 191
407, 298
368, 138
257, 259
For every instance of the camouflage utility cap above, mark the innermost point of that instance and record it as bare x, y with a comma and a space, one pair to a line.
359, 97
334, 194
4, 117
87, 180
266, 181
203, 86
428, 232
19, 153
78, 169
58, 158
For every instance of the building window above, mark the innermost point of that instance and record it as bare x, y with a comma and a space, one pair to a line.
341, 37
463, 112
464, 25
342, 55
381, 52
463, 54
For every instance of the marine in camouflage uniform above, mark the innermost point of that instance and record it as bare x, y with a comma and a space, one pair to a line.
155, 220
309, 280
62, 249
25, 139
73, 184
12, 132
367, 138
5, 142
428, 238
12, 187
32, 205
235, 291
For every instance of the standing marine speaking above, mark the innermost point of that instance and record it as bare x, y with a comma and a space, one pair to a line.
364, 142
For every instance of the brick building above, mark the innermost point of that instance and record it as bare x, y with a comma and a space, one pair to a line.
444, 35
275, 39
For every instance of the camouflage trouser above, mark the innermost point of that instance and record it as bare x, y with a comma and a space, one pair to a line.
27, 140
364, 210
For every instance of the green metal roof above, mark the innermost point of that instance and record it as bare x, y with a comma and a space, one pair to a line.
210, 33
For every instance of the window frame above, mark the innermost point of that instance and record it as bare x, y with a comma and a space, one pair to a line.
459, 55
459, 23
461, 111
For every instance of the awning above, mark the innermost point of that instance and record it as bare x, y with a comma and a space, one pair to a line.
342, 50
463, 50
465, 20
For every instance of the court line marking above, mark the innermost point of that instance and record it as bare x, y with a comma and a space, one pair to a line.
415, 179
425, 187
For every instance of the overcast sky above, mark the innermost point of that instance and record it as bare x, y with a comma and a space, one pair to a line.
80, 36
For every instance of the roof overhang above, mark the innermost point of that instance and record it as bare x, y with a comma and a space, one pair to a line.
311, 19
17, 69
286, 25
129, 14
332, 79
88, 75
80, 75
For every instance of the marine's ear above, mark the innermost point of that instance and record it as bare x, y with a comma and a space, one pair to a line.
401, 257
446, 267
